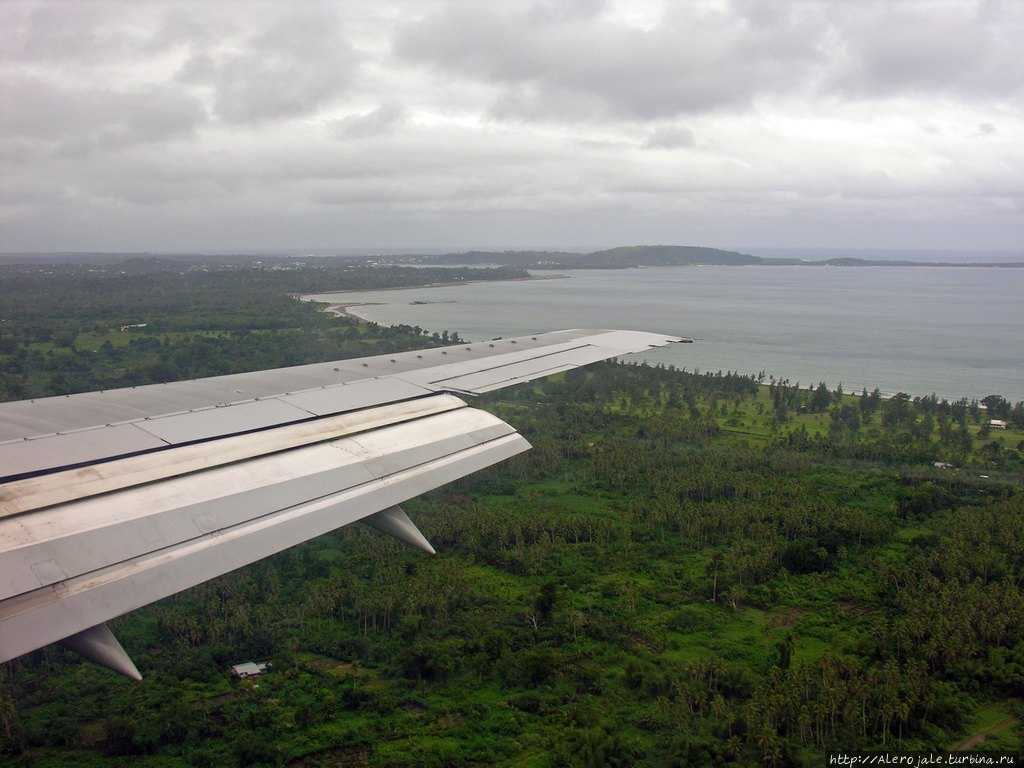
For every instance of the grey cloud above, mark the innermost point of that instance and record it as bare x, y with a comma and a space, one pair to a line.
161, 125
88, 33
566, 10
531, 101
77, 121
376, 123
695, 60
672, 137
291, 67
58, 32
700, 58
179, 26
927, 47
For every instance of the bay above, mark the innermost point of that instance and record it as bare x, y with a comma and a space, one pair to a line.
955, 332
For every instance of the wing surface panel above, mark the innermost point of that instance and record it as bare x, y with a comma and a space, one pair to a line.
233, 419
350, 397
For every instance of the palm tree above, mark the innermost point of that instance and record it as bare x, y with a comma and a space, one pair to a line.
768, 741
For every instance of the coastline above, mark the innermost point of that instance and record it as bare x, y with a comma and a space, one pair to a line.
955, 333
343, 309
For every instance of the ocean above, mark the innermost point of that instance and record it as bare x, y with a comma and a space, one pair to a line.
956, 332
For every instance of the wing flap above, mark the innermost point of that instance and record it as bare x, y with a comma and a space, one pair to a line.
40, 454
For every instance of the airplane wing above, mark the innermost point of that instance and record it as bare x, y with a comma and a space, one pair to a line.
112, 500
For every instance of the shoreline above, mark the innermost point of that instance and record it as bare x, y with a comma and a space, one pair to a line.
342, 310
726, 308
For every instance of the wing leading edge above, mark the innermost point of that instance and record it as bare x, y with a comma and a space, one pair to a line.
113, 500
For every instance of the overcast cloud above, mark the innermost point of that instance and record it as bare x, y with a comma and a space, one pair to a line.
381, 125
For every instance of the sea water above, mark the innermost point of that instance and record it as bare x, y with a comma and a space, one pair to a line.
953, 331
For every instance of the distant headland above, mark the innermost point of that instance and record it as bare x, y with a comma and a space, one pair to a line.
636, 256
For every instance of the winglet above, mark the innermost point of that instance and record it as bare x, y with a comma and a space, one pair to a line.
394, 522
99, 644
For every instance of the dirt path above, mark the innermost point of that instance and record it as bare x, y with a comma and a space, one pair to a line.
980, 737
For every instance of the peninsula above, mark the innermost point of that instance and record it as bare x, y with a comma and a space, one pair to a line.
664, 256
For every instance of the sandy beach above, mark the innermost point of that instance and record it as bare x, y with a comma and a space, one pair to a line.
343, 309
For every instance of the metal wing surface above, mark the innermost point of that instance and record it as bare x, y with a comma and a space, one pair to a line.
112, 500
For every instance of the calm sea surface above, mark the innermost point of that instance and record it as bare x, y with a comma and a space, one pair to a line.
952, 331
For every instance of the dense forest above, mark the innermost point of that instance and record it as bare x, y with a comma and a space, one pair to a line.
69, 328
687, 569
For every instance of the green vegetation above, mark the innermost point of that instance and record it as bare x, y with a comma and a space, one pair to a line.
66, 329
686, 569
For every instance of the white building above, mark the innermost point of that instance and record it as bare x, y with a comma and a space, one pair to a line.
248, 669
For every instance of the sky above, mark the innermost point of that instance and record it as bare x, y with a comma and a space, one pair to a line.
420, 126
